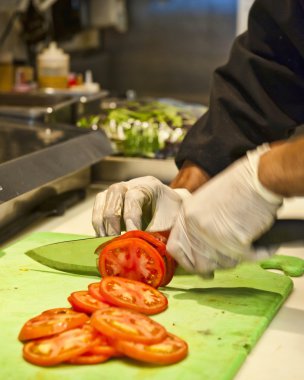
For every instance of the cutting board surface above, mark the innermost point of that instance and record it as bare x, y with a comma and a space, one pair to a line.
221, 319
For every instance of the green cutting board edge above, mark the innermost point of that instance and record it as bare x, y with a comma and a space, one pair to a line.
221, 319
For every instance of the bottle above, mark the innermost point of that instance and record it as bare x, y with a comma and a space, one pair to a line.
6, 71
53, 67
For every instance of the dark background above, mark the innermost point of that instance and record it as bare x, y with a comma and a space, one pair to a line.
170, 49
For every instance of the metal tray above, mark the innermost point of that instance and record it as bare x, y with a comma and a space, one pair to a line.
32, 107
113, 169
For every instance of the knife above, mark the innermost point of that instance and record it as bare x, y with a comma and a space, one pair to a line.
77, 256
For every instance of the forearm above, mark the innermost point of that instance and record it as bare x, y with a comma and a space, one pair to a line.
257, 96
190, 177
281, 170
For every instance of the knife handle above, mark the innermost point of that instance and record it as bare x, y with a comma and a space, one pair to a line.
283, 231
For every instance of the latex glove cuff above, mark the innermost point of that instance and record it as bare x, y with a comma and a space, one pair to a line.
254, 158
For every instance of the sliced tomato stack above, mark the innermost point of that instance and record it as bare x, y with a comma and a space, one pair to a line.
110, 319
137, 255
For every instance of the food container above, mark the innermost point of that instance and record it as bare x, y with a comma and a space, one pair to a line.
53, 67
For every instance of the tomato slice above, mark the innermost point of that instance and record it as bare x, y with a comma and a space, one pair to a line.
60, 311
51, 322
133, 295
89, 358
171, 350
60, 348
104, 347
132, 258
127, 324
154, 238
94, 291
83, 301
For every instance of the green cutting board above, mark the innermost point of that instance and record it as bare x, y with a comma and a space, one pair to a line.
221, 319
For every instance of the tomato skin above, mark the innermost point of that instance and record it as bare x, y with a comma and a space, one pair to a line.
171, 350
94, 291
89, 358
60, 348
133, 295
154, 238
132, 258
51, 322
117, 323
60, 311
83, 301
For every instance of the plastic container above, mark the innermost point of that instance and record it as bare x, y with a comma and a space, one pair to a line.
53, 67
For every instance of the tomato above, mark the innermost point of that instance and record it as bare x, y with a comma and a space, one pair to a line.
154, 238
104, 348
51, 322
158, 241
94, 291
127, 324
102, 345
89, 358
133, 295
60, 311
83, 301
60, 348
132, 258
171, 350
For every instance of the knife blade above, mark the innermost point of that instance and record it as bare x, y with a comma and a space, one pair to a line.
73, 256
77, 256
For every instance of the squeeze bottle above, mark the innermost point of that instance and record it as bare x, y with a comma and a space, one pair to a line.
53, 67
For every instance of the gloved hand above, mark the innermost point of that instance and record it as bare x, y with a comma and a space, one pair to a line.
141, 203
215, 228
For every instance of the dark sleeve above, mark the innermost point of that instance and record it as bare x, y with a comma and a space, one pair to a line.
258, 96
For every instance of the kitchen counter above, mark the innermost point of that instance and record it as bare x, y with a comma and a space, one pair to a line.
279, 352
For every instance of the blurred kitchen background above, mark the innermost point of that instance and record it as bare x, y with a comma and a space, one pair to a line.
161, 48
97, 91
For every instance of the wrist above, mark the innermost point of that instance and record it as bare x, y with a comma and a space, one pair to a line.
256, 162
190, 177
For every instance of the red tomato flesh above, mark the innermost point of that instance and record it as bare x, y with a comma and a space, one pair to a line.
171, 350
94, 291
132, 258
133, 295
127, 324
60, 348
51, 322
83, 301
89, 358
154, 238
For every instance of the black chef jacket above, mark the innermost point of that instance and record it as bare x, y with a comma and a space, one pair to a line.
258, 96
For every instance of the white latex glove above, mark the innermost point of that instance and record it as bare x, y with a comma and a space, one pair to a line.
141, 203
215, 228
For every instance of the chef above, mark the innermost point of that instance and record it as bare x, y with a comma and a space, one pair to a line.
237, 163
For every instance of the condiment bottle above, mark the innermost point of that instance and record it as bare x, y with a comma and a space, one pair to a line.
6, 71
53, 67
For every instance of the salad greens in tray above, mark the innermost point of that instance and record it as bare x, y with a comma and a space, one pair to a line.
144, 128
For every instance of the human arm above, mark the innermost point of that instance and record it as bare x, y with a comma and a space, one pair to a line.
257, 96
281, 170
217, 225
190, 176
